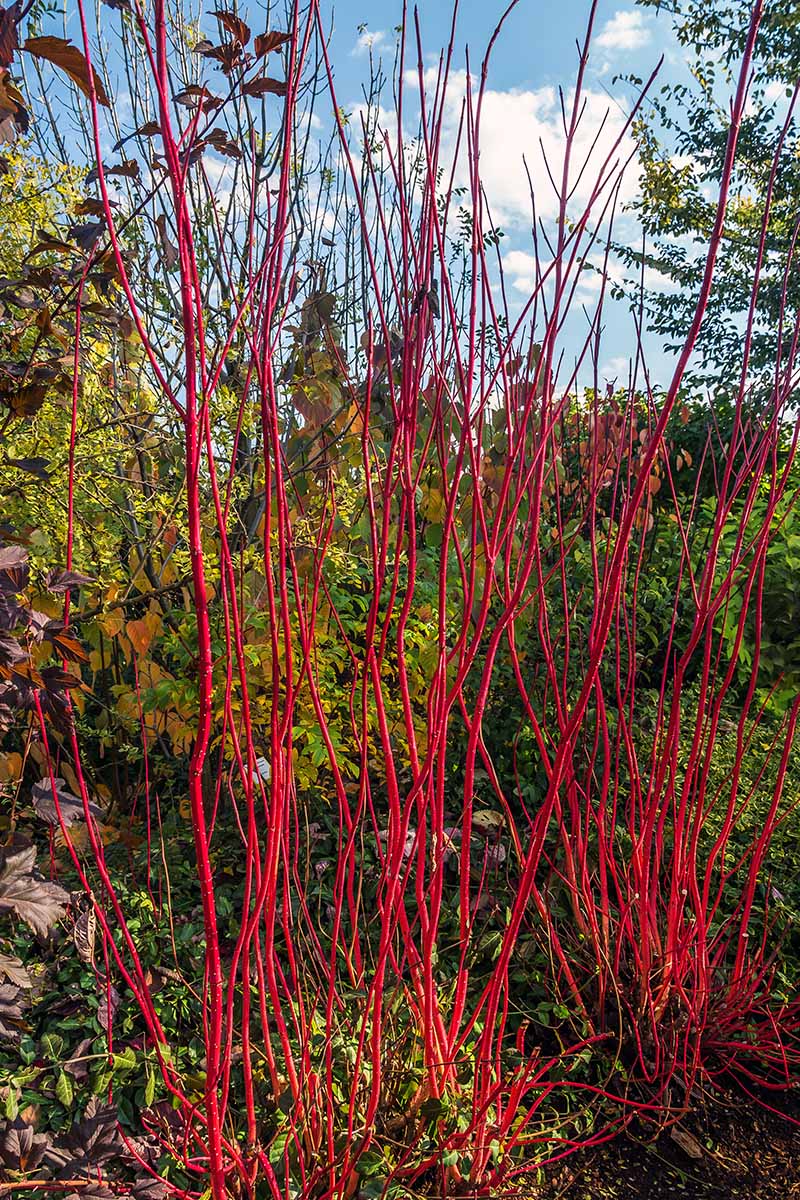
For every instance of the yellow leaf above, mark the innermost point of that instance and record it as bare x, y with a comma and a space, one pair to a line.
10, 767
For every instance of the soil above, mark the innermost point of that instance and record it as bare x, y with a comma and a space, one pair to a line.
737, 1151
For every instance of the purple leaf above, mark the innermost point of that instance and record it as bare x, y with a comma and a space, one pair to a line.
21, 1149
38, 902
71, 807
88, 1145
66, 581
107, 1007
12, 999
13, 568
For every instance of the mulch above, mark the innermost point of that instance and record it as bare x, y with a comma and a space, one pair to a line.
736, 1151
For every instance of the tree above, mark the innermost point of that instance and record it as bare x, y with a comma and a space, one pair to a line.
683, 135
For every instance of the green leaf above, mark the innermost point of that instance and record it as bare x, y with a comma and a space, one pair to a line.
52, 1045
64, 1092
125, 1061
100, 1082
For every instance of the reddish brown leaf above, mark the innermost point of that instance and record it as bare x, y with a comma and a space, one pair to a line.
223, 144
68, 58
38, 902
192, 95
50, 246
90, 207
129, 169
265, 43
263, 85
234, 25
149, 129
168, 250
228, 55
9, 40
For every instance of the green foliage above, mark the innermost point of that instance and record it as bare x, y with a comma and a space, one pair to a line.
682, 139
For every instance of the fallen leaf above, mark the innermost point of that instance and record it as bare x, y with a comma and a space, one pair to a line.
687, 1142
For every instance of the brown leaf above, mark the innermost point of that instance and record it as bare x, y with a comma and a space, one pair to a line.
70, 807
228, 55
21, 1148
38, 902
9, 40
234, 25
129, 169
90, 207
59, 582
87, 235
149, 129
192, 95
68, 58
264, 85
223, 144
107, 1005
50, 246
687, 1142
14, 970
169, 251
68, 647
84, 934
265, 43
13, 113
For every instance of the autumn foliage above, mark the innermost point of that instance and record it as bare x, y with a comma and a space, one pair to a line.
386, 730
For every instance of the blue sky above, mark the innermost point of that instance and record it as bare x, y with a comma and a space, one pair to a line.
535, 54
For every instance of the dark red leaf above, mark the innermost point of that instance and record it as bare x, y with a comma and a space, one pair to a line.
89, 1145
9, 39
13, 568
264, 85
68, 58
60, 582
265, 43
21, 1148
234, 25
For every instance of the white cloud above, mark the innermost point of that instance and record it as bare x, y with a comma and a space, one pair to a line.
626, 30
520, 268
618, 368
522, 126
369, 41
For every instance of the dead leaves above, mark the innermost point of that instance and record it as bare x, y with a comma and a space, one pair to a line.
687, 1142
